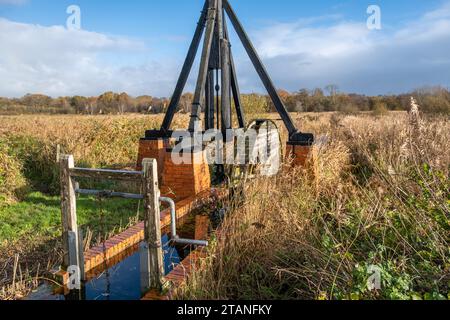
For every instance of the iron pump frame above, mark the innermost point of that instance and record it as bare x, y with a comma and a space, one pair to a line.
217, 93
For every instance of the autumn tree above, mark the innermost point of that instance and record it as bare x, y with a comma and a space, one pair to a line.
107, 103
186, 102
36, 100
78, 103
143, 103
91, 105
123, 102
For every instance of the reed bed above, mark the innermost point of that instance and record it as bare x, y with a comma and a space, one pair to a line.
379, 201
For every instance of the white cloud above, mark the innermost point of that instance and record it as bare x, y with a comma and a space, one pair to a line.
300, 55
56, 61
309, 53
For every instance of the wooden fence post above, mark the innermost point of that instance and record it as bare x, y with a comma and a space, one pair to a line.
71, 242
152, 262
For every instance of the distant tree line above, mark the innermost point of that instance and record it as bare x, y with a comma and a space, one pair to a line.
329, 99
431, 100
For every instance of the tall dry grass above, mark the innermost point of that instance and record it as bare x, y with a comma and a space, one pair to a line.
382, 200
29, 146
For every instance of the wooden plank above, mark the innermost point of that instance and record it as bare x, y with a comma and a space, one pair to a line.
69, 212
106, 174
152, 264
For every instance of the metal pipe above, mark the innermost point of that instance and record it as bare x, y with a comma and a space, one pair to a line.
173, 215
110, 194
173, 226
199, 243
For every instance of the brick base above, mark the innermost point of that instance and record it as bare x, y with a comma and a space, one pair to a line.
305, 157
152, 149
181, 181
177, 181
300, 156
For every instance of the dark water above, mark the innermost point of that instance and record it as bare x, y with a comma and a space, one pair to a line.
123, 281
120, 282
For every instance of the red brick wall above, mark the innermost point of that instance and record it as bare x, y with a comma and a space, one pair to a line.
306, 158
152, 149
299, 155
186, 180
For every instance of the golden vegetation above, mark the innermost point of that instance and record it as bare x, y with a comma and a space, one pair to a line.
382, 198
382, 201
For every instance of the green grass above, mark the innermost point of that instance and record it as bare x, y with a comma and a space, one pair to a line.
39, 216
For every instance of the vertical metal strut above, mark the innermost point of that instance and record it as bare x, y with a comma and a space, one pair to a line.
257, 63
204, 65
185, 71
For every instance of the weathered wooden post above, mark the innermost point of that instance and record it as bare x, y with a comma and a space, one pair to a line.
152, 267
73, 251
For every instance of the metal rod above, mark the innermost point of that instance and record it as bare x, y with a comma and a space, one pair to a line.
260, 69
210, 110
217, 99
200, 243
234, 83
173, 214
110, 194
187, 67
173, 226
226, 85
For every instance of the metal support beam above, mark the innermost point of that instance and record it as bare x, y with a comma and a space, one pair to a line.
210, 107
260, 69
234, 83
204, 65
182, 80
217, 55
236, 93
226, 85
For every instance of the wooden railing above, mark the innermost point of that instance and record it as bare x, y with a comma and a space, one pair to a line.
152, 267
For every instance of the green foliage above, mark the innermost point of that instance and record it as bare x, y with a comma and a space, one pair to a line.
39, 216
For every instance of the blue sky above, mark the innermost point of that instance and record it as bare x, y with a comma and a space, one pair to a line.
139, 46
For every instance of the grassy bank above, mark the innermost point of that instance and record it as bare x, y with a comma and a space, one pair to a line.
30, 222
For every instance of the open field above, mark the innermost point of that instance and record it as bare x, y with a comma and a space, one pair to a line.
380, 198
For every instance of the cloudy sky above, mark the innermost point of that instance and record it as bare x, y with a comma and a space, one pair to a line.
139, 46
